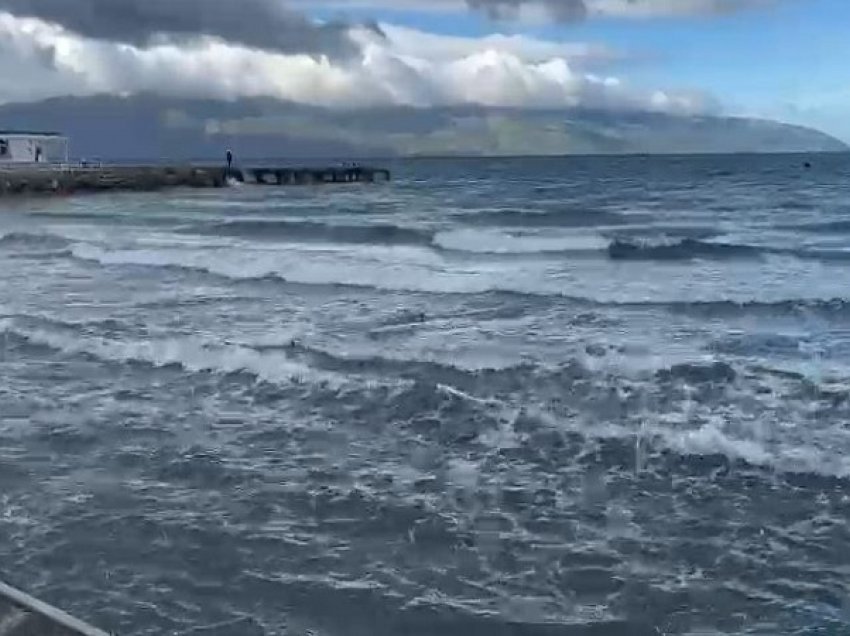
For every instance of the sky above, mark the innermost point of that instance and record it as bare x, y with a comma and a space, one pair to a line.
778, 59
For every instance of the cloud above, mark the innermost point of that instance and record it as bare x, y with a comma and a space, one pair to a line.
400, 67
561, 10
263, 24
28, 65
411, 42
282, 25
663, 8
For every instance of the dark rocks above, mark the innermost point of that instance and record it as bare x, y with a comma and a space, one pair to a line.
62, 180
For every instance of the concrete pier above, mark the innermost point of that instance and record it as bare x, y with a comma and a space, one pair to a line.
67, 180
22, 180
23, 615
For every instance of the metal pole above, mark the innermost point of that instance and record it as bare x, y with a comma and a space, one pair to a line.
63, 623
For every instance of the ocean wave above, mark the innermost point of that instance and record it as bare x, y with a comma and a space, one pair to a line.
137, 218
712, 440
252, 271
473, 241
456, 406
831, 308
690, 426
74, 327
191, 354
689, 249
274, 266
553, 217
436, 372
713, 449
384, 234
828, 227
685, 249
76, 216
176, 301
30, 241
695, 373
794, 204
662, 232
146, 258
495, 242
762, 345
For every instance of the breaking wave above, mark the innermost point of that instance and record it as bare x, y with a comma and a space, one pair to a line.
476, 241
260, 270
556, 217
30, 241
685, 249
827, 227
662, 232
476, 403
688, 249
384, 368
191, 354
836, 308
111, 217
496, 242
386, 234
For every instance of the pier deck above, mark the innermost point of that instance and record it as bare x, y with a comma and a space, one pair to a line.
23, 615
17, 180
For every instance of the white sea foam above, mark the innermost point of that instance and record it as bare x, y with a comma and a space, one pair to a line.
192, 354
392, 268
463, 473
495, 242
752, 442
413, 268
711, 439
798, 448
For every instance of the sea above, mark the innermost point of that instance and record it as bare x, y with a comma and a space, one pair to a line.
590, 396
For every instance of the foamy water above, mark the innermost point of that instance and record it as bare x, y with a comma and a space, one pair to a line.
586, 396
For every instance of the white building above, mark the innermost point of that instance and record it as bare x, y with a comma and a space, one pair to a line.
23, 147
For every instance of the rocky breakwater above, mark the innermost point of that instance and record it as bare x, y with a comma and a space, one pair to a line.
66, 180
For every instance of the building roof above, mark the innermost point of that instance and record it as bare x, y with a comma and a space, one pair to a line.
29, 133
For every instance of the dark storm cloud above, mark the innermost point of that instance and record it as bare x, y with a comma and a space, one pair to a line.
575, 10
563, 10
263, 24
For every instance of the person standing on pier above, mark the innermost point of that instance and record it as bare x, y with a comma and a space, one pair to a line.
229, 162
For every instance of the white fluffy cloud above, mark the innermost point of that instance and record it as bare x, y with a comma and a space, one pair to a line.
402, 66
414, 43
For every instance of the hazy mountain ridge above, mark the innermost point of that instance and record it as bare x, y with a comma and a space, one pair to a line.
152, 127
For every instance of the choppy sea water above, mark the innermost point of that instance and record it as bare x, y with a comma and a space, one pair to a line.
493, 397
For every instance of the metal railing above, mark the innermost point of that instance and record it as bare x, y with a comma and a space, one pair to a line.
23, 615
51, 167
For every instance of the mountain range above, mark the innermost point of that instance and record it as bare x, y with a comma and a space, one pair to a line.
150, 127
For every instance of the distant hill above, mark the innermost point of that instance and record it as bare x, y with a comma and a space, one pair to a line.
149, 127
